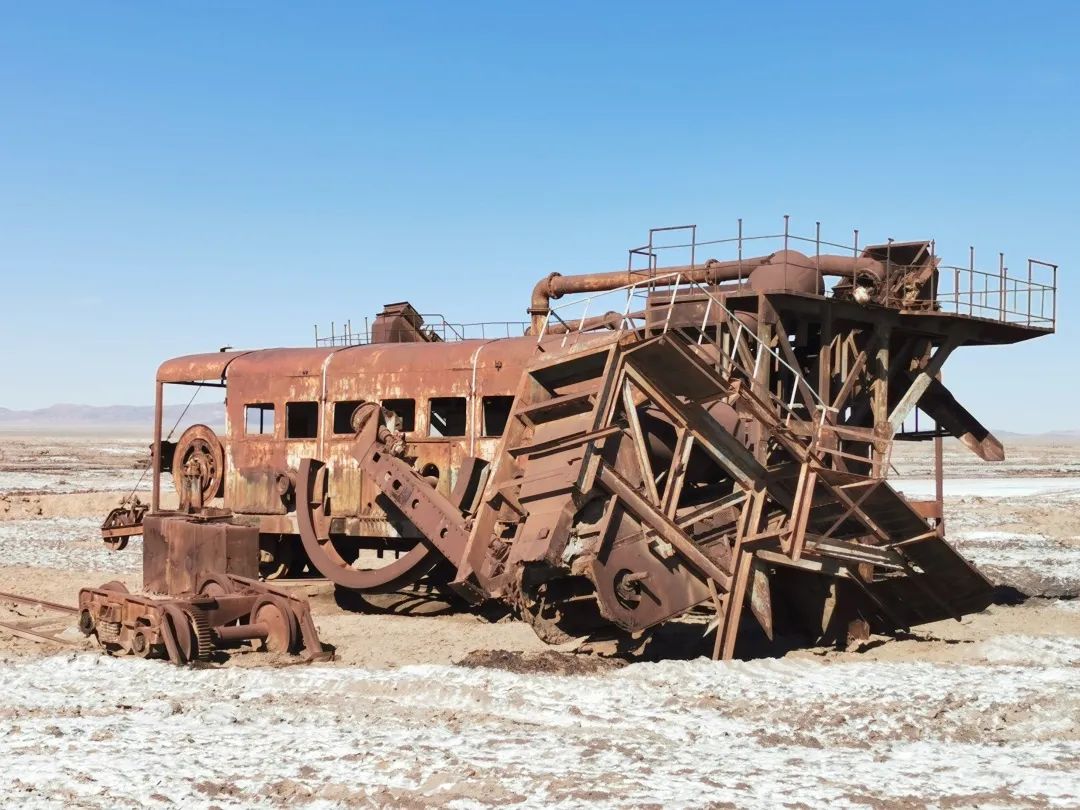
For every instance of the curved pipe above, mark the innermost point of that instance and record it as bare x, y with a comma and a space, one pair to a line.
556, 285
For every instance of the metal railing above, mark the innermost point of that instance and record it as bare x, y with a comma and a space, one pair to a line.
1029, 300
574, 327
435, 326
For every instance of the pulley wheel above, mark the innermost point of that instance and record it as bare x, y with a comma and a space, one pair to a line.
200, 444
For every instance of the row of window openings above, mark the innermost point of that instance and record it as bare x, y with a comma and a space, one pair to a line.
447, 416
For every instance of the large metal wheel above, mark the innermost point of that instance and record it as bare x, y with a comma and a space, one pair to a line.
279, 621
216, 585
199, 444
314, 524
140, 643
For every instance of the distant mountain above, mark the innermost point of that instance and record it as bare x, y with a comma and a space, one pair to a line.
88, 416
1064, 435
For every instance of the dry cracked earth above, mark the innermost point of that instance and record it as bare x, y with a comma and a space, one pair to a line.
456, 711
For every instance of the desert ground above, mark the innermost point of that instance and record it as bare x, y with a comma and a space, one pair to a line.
457, 711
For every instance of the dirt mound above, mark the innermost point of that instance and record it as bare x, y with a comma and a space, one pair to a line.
548, 662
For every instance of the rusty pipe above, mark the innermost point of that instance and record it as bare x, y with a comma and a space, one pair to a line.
556, 285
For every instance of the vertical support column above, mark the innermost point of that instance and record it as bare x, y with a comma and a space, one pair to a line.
824, 380
939, 484
858, 628
825, 358
155, 451
762, 371
742, 566
879, 391
800, 511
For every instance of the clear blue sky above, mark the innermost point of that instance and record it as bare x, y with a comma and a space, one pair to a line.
174, 178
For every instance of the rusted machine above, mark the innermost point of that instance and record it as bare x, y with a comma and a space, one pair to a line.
718, 438
199, 570
224, 612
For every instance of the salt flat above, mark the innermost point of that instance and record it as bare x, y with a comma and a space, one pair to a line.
674, 734
983, 712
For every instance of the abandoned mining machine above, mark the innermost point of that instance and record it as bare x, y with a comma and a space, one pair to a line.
665, 439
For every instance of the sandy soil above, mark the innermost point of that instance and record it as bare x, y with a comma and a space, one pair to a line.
453, 710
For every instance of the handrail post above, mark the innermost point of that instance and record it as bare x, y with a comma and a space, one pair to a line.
584, 313
740, 251
855, 254
735, 343
1053, 319
693, 246
1029, 296
817, 246
1001, 274
935, 283
971, 279
787, 218
888, 271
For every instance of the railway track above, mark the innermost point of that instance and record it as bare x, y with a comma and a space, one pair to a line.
31, 630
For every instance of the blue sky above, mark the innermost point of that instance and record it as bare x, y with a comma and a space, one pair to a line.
174, 178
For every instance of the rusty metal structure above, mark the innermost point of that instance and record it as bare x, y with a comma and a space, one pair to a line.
202, 595
675, 437
199, 596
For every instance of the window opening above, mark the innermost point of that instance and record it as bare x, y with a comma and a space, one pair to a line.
405, 411
259, 419
447, 416
301, 420
343, 412
496, 412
